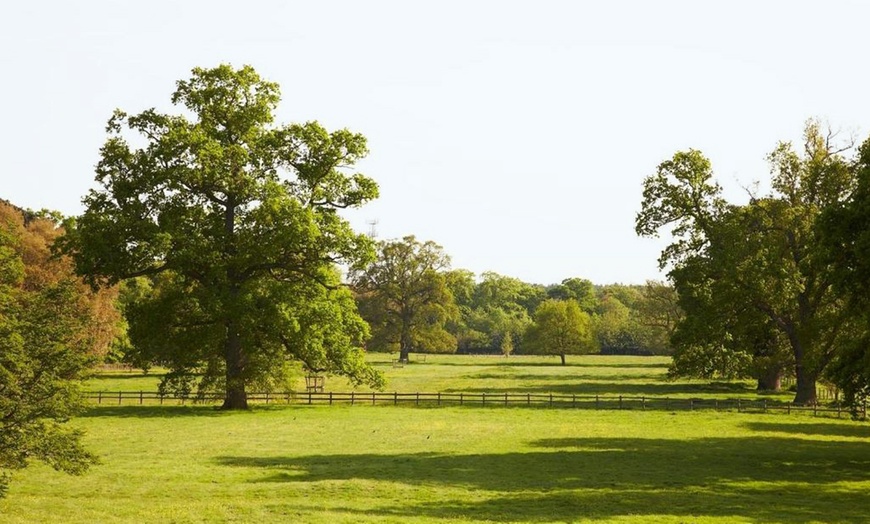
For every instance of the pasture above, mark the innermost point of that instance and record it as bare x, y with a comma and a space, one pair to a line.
322, 464
584, 375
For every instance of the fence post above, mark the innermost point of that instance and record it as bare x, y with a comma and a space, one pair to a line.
573, 400
99, 397
161, 399
691, 404
596, 401
330, 398
620, 401
119, 398
505, 399
140, 397
643, 403
483, 399
267, 397
838, 410
395, 398
764, 405
351, 398
551, 400
460, 399
815, 406
528, 399
373, 398
309, 397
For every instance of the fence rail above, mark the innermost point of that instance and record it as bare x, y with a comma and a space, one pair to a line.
549, 400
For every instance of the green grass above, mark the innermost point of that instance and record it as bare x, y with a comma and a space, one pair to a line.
448, 465
584, 375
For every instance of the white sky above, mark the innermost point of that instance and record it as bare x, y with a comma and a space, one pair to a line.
515, 134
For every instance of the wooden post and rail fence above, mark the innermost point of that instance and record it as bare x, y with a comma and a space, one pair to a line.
484, 399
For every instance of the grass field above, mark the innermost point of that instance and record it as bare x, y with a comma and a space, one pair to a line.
388, 464
321, 464
584, 375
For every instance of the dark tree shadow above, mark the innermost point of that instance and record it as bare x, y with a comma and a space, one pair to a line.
614, 387
554, 363
830, 430
123, 375
602, 478
563, 377
167, 411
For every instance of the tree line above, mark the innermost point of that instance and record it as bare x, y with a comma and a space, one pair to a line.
414, 302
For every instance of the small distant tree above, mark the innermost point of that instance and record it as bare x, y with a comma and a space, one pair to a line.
561, 328
404, 297
507, 344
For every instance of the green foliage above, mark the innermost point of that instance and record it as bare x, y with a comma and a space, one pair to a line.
234, 220
762, 255
560, 328
405, 297
507, 344
48, 336
844, 232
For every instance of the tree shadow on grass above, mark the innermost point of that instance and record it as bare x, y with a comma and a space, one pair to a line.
555, 363
609, 387
828, 430
124, 375
168, 411
563, 377
757, 478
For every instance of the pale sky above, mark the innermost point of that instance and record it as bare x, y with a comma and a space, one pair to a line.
514, 134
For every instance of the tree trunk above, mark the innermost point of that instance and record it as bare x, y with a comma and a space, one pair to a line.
806, 387
563, 358
405, 340
236, 396
770, 380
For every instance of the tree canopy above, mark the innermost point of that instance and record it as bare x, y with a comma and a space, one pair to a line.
234, 219
405, 297
52, 329
762, 255
845, 238
560, 328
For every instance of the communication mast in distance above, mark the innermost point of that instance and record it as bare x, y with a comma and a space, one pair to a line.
373, 228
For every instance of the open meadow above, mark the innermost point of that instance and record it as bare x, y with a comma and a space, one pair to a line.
583, 375
327, 464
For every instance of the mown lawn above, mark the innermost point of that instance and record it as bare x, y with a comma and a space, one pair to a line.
439, 465
584, 375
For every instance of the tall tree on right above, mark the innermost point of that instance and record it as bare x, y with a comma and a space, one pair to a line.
761, 255
404, 297
845, 237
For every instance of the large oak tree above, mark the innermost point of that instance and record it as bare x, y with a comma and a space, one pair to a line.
761, 255
235, 219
